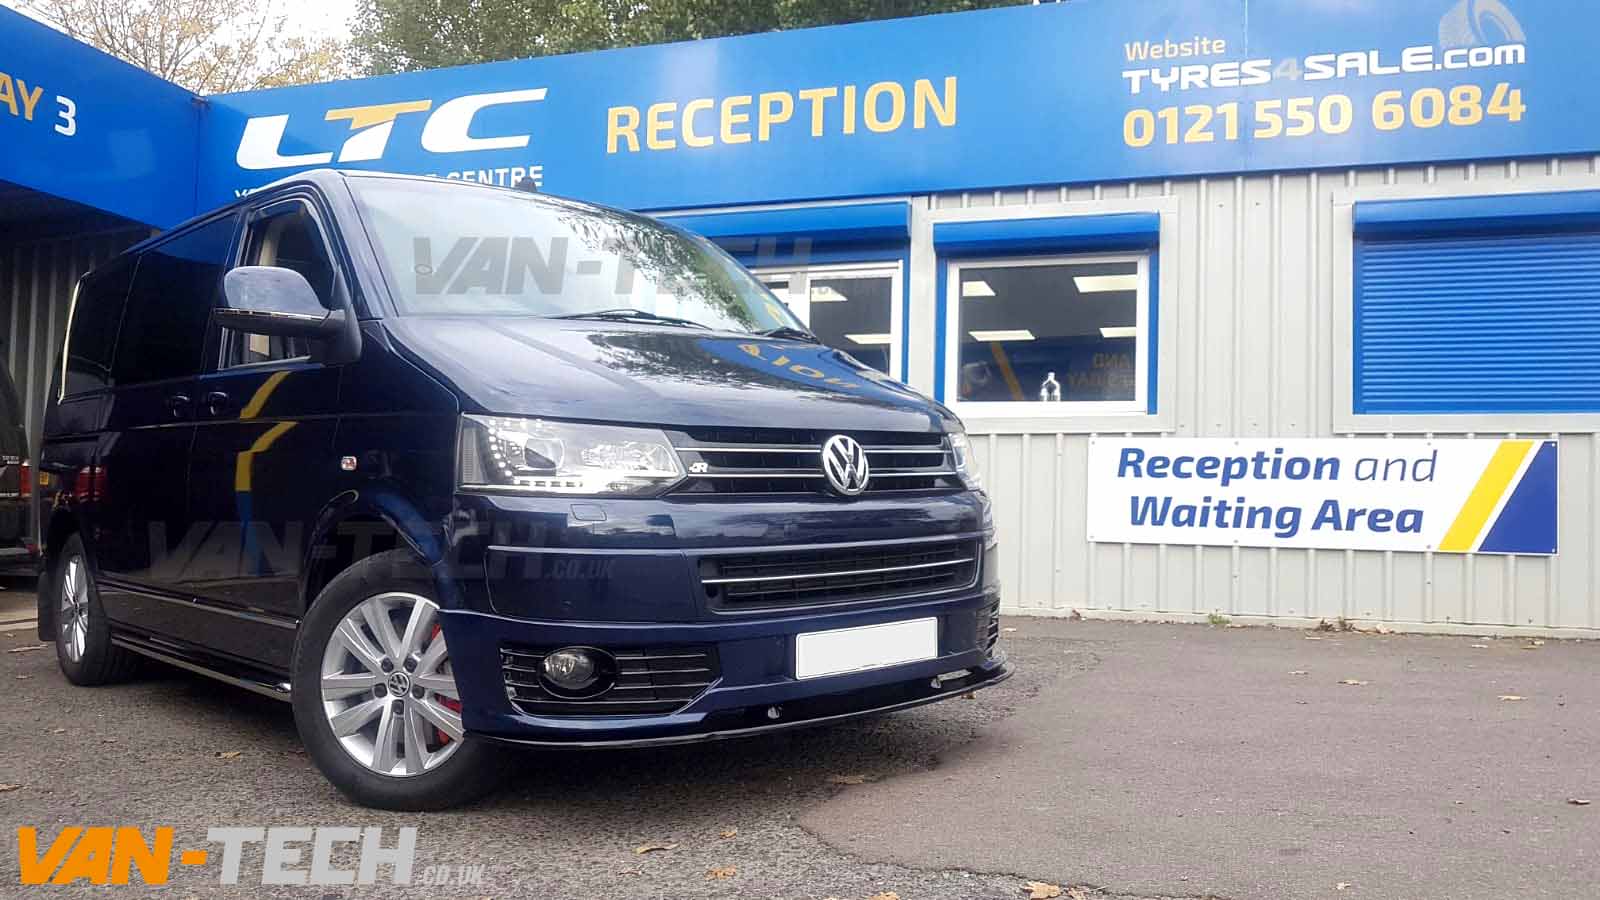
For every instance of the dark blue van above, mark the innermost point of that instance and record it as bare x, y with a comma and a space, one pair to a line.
450, 467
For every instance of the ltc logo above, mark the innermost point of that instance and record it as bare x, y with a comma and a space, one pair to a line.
446, 131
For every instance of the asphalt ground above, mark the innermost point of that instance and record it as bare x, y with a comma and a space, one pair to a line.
1126, 761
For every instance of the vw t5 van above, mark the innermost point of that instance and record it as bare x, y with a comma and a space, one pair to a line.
450, 467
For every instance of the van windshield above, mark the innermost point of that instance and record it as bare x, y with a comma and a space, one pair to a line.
454, 250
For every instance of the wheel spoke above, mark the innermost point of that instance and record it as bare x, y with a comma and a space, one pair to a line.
416, 741
356, 717
80, 637
437, 684
383, 756
345, 684
370, 657
447, 721
433, 656
376, 615
418, 628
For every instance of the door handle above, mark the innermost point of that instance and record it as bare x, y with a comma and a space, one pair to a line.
178, 405
216, 403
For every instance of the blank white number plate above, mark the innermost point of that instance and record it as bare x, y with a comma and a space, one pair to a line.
820, 653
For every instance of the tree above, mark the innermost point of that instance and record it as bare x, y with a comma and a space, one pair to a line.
208, 46
405, 35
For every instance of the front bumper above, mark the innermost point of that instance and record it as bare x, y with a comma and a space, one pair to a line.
754, 691
535, 574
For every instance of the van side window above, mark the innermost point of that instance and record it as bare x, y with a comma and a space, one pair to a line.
290, 239
174, 288
96, 313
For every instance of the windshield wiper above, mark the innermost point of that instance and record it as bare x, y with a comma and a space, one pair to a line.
789, 331
625, 314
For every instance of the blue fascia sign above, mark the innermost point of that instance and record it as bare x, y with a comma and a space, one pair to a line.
1088, 91
80, 124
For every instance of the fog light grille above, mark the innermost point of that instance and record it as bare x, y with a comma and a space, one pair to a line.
649, 681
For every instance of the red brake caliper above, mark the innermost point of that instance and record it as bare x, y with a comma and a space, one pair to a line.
449, 703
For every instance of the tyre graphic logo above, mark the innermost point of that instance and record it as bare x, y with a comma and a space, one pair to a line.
845, 465
1474, 23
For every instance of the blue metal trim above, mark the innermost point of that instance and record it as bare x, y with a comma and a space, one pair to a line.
1012, 237
941, 317
1490, 214
854, 222
768, 254
1152, 340
905, 319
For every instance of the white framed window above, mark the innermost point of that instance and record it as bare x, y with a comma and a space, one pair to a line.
853, 307
1048, 335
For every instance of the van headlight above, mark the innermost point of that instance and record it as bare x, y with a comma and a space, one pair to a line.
536, 456
961, 456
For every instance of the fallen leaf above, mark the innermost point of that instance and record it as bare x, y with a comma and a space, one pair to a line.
729, 833
1354, 681
970, 695
1076, 893
1531, 645
108, 740
1342, 886
1577, 802
721, 872
1511, 698
1480, 646
651, 848
886, 895
5, 788
1075, 616
58, 731
1041, 890
230, 754
848, 779
1298, 672
1009, 630
24, 648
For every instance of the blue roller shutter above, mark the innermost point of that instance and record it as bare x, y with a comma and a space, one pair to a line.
1488, 323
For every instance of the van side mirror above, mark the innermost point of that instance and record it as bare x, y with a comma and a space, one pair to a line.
276, 301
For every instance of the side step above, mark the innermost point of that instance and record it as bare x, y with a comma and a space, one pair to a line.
252, 680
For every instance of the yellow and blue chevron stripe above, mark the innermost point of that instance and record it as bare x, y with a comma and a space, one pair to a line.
1512, 507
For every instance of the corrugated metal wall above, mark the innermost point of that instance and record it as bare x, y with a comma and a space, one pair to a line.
1255, 359
36, 279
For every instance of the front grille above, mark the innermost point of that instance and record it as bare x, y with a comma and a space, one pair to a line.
789, 461
838, 575
648, 681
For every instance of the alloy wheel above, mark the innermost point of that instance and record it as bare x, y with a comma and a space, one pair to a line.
73, 616
387, 687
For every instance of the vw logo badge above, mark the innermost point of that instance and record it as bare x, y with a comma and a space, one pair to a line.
845, 465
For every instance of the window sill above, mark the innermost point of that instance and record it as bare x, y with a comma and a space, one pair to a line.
1088, 418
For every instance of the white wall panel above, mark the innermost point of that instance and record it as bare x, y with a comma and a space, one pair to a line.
1256, 358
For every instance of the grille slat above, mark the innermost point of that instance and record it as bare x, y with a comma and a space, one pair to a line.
655, 681
789, 461
838, 575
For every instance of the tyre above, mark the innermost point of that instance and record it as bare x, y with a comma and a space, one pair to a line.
373, 694
83, 634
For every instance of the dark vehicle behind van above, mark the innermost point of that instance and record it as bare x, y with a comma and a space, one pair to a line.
451, 467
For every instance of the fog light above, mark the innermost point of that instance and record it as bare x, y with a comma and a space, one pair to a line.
571, 668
